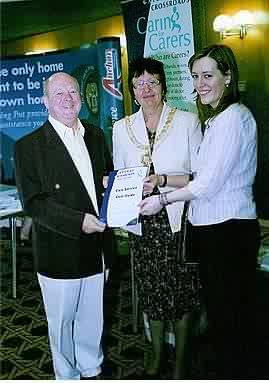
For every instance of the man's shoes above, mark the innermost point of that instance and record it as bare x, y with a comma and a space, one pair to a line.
105, 374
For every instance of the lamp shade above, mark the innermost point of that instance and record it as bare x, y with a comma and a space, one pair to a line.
222, 23
243, 18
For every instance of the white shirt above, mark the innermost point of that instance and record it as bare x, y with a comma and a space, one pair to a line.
224, 167
74, 143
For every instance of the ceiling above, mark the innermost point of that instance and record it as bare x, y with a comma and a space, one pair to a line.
29, 17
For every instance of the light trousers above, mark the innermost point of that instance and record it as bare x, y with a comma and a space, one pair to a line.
74, 310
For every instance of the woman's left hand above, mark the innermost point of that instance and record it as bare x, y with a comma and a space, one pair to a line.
150, 205
150, 183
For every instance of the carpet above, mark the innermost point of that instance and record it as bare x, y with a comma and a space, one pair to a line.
24, 351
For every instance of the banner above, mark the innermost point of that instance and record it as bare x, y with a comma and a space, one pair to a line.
110, 84
21, 94
162, 29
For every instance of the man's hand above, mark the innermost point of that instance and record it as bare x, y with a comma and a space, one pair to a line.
150, 205
91, 224
105, 181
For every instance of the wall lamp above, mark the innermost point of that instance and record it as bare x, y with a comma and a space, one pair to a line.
236, 25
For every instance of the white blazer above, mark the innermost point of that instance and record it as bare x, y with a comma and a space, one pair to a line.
171, 153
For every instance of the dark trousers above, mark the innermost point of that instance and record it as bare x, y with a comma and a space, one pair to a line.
228, 256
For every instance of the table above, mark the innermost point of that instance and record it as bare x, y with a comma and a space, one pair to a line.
10, 207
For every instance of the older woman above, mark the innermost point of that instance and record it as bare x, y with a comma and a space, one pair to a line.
159, 137
225, 230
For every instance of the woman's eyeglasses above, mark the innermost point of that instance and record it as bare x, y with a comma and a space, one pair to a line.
139, 84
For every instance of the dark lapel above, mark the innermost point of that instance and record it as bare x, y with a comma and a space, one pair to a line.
59, 153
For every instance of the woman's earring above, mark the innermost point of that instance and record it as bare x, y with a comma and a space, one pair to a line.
227, 85
136, 102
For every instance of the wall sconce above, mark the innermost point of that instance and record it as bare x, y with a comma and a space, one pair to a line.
236, 25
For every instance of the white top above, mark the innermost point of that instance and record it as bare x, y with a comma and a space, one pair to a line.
74, 143
171, 151
224, 167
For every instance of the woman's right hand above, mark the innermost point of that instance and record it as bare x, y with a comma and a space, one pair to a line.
150, 205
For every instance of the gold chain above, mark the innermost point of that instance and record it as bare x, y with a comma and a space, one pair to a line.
146, 157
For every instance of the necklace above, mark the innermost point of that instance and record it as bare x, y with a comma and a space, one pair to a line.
146, 159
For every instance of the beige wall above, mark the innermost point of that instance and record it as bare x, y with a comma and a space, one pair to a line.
251, 52
252, 55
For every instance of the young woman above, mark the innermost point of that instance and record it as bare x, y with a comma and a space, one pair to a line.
222, 213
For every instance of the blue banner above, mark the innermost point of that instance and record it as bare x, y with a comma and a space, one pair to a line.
21, 92
163, 30
135, 14
110, 84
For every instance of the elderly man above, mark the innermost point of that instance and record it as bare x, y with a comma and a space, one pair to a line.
59, 174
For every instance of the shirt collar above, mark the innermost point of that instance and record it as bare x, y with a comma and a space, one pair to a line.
63, 130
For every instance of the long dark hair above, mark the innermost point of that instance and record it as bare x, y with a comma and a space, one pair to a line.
226, 63
138, 66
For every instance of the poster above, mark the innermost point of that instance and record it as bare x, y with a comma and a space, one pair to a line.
110, 84
162, 29
21, 95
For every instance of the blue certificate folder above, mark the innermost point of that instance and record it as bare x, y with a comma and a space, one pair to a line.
122, 195
103, 212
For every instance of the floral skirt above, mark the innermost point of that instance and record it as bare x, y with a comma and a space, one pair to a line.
166, 290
